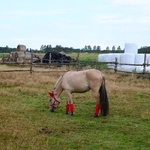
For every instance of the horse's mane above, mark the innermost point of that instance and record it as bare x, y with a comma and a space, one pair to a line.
59, 79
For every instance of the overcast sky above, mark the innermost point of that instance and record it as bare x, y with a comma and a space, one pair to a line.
74, 23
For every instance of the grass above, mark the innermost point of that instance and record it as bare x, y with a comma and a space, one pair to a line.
88, 60
85, 56
3, 55
82, 56
26, 123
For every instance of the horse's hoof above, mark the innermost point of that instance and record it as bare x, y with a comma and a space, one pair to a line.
52, 110
96, 116
72, 114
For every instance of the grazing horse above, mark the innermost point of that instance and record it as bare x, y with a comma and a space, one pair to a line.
80, 82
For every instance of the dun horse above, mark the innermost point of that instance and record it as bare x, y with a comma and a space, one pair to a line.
80, 82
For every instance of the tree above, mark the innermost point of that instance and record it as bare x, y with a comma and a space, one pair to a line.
118, 48
85, 48
89, 48
49, 46
113, 48
98, 48
94, 47
107, 48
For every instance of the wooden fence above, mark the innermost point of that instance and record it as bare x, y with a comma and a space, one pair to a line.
77, 64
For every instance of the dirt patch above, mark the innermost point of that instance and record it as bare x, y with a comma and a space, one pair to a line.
48, 131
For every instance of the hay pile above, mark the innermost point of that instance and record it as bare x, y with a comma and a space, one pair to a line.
21, 55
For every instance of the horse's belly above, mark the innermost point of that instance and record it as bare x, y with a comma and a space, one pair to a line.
78, 88
81, 89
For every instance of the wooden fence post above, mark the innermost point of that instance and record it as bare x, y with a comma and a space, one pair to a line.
78, 62
31, 62
144, 66
9, 58
50, 58
62, 62
41, 60
3, 58
116, 64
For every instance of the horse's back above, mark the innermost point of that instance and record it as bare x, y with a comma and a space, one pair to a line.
75, 81
83, 75
94, 74
81, 81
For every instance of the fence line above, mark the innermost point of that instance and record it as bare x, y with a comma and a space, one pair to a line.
77, 64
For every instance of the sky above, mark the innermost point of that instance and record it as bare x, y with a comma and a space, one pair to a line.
74, 23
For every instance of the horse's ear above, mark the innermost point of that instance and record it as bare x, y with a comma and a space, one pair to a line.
51, 94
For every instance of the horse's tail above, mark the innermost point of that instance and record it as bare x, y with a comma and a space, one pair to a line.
104, 99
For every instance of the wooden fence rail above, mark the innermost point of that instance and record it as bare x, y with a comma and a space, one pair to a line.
77, 65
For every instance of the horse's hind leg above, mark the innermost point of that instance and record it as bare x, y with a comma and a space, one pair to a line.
97, 108
69, 105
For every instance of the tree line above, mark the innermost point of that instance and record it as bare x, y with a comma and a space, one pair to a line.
87, 48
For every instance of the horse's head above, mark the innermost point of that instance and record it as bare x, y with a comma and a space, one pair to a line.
53, 102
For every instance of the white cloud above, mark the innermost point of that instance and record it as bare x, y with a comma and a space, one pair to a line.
141, 5
5, 27
31, 13
132, 2
112, 19
74, 24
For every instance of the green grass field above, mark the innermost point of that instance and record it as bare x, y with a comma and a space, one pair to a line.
3, 55
85, 56
27, 123
82, 56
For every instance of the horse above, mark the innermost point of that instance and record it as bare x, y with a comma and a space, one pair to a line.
80, 82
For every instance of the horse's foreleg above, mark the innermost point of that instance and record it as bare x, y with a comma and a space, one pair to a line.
69, 105
72, 109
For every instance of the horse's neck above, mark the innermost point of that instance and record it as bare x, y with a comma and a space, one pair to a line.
57, 88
